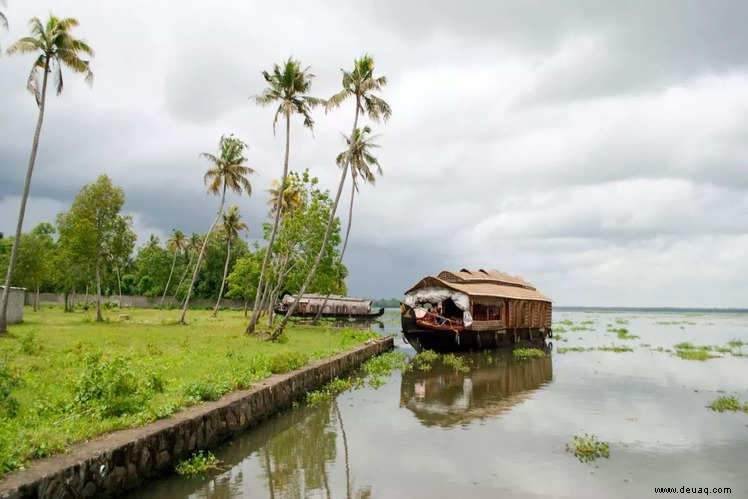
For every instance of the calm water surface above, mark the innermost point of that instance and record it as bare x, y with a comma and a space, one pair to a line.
501, 429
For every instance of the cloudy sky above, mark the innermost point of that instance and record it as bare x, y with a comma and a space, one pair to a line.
599, 151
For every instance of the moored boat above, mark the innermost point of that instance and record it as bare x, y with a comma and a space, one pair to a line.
468, 310
334, 306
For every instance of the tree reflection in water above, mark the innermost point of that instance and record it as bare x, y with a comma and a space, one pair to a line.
496, 382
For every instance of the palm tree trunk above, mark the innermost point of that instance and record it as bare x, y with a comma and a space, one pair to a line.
279, 329
342, 251
22, 210
168, 281
184, 274
278, 204
200, 256
99, 318
225, 272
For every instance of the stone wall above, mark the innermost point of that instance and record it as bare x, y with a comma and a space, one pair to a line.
15, 304
116, 462
130, 300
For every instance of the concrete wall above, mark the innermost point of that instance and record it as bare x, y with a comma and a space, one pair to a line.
119, 461
129, 300
15, 304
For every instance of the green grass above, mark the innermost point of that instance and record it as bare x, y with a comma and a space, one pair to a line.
66, 378
728, 403
587, 448
528, 353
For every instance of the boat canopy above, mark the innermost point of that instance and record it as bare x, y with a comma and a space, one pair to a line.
433, 294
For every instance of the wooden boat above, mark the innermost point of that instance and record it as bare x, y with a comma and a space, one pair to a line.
468, 310
336, 306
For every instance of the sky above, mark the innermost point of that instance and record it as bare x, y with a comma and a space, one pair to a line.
597, 149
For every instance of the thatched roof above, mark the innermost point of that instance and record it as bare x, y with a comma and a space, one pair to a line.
487, 283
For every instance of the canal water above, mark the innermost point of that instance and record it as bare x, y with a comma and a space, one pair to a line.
501, 429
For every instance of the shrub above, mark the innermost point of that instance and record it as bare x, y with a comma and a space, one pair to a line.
587, 448
29, 344
202, 390
286, 361
109, 387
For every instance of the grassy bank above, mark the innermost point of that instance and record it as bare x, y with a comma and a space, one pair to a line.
65, 378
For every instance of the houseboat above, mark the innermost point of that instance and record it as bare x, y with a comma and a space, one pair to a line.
334, 306
474, 309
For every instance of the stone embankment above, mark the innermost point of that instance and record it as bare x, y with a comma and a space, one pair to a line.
116, 462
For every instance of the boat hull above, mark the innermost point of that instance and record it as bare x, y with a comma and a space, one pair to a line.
466, 340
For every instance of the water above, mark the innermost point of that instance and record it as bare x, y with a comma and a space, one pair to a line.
501, 429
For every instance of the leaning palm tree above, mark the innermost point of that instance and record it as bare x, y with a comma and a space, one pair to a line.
228, 172
232, 224
194, 243
176, 243
360, 84
54, 47
288, 86
359, 157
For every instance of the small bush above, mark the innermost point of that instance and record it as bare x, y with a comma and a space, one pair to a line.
29, 344
202, 390
110, 387
528, 353
286, 361
156, 383
728, 403
587, 448
199, 465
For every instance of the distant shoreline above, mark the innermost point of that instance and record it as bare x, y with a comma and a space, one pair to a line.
655, 309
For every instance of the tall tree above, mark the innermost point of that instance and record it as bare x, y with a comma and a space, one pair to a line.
359, 157
54, 46
34, 259
232, 225
288, 86
361, 84
228, 172
194, 243
177, 243
91, 228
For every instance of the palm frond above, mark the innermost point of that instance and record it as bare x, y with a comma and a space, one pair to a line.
3, 21
25, 45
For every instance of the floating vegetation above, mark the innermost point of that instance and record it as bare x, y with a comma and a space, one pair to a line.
324, 394
457, 363
622, 321
582, 328
615, 348
528, 353
694, 354
736, 343
381, 367
198, 465
587, 448
587, 322
423, 360
559, 329
566, 322
572, 349
623, 334
676, 323
728, 403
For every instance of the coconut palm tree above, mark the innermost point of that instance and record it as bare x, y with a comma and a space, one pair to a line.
176, 243
194, 243
361, 84
228, 172
232, 224
288, 86
359, 157
291, 197
54, 47
3, 19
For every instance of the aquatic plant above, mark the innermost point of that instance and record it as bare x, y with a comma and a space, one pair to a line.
615, 348
587, 448
736, 343
572, 349
198, 465
423, 360
694, 354
566, 322
456, 362
623, 334
728, 403
324, 394
622, 321
528, 353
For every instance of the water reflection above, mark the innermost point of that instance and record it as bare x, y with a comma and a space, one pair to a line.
495, 383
